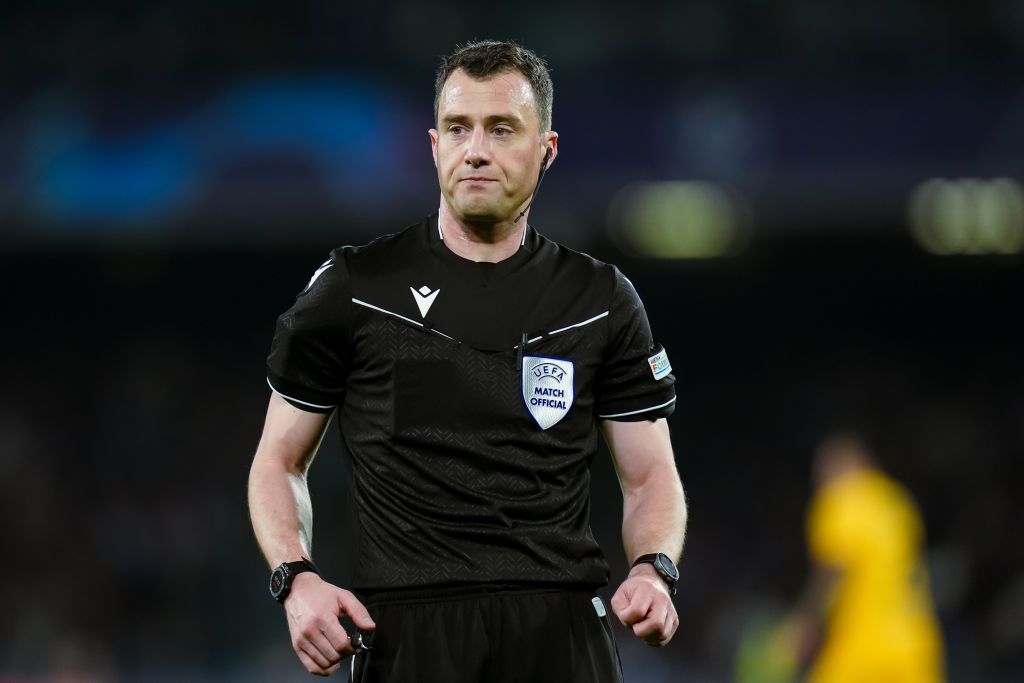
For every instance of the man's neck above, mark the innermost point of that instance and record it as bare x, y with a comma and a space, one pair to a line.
481, 242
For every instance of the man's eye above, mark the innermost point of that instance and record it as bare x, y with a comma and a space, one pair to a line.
501, 132
456, 130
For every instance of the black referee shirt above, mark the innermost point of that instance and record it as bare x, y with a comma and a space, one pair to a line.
469, 395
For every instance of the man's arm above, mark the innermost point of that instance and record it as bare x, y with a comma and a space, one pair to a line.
803, 630
653, 521
282, 518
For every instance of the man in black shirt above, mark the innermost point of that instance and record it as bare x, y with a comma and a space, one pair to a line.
471, 362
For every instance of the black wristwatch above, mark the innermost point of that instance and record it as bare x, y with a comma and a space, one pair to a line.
665, 567
281, 578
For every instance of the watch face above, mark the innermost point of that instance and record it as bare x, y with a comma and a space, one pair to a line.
666, 567
277, 581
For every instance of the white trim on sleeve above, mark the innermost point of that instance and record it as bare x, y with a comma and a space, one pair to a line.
635, 412
290, 398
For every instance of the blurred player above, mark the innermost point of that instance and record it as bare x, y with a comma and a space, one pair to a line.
867, 609
472, 363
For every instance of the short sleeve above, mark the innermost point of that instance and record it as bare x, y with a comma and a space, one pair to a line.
636, 381
310, 354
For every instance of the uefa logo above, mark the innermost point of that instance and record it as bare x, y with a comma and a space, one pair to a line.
547, 388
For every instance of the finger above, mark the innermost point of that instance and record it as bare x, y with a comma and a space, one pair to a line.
673, 625
329, 651
338, 639
619, 603
311, 666
656, 638
648, 630
635, 610
318, 647
670, 632
318, 664
351, 606
652, 629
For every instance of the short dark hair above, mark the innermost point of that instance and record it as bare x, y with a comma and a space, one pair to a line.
485, 58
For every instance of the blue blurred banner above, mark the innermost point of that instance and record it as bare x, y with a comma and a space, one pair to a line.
301, 151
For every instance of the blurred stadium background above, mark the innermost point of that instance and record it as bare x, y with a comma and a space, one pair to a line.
821, 204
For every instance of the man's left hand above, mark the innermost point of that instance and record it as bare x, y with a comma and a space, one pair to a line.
643, 604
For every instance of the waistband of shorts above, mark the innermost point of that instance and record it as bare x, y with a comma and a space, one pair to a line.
466, 591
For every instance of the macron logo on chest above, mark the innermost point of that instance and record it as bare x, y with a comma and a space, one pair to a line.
424, 298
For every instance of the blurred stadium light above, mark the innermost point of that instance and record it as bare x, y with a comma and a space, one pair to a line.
968, 216
678, 220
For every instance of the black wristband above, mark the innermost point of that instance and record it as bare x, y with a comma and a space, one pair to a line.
283, 575
665, 567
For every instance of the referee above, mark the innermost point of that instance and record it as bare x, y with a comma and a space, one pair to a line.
470, 361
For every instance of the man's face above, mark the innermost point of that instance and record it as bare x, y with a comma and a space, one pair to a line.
488, 146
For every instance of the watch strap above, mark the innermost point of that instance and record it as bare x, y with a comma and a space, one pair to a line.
656, 560
303, 565
645, 559
285, 572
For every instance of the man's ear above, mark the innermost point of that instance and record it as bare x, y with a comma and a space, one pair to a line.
550, 141
433, 144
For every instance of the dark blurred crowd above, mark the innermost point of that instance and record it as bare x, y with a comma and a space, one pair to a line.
132, 368
110, 43
135, 394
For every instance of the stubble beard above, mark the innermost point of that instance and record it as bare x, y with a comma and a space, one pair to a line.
483, 211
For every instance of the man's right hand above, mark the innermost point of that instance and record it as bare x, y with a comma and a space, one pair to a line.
313, 608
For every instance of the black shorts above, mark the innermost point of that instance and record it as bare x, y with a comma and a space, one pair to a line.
481, 636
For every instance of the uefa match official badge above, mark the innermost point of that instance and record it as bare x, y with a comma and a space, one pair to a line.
547, 388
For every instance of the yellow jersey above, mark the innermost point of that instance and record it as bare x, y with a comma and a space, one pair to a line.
881, 626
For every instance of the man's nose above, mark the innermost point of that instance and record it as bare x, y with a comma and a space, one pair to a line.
478, 150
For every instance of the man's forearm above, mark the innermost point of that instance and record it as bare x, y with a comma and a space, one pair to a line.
654, 506
653, 521
654, 517
279, 504
281, 511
